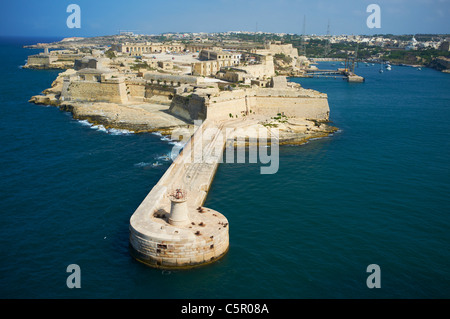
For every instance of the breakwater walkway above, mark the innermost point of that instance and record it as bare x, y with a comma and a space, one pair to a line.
170, 228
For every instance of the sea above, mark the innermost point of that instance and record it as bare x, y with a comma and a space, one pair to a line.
374, 193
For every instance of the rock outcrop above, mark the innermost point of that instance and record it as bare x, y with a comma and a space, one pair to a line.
441, 64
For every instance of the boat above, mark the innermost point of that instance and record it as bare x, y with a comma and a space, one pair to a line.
419, 69
388, 67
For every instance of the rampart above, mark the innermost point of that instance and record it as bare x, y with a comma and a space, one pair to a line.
298, 103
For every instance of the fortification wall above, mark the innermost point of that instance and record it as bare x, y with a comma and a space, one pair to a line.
273, 49
302, 103
136, 90
300, 107
159, 94
188, 107
40, 60
269, 102
262, 70
221, 108
172, 79
111, 91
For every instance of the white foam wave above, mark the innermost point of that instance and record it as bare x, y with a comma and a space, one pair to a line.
101, 128
178, 145
147, 164
114, 131
165, 157
85, 122
317, 138
142, 164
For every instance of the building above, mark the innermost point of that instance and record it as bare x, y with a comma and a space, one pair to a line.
208, 55
209, 68
148, 48
412, 44
41, 59
89, 62
214, 61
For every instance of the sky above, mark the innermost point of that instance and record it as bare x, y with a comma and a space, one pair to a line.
47, 18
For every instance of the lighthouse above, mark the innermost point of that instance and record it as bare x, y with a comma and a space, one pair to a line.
178, 209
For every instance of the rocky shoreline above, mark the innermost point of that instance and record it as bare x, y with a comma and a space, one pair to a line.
136, 120
144, 116
155, 118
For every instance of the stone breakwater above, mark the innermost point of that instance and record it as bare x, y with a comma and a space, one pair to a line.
161, 236
180, 233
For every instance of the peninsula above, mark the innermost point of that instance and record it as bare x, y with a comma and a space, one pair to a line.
124, 82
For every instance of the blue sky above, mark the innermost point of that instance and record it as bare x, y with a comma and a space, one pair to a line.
100, 17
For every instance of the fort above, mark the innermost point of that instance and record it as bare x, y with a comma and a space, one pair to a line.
168, 87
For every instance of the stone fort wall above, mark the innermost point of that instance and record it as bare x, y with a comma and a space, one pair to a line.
268, 102
91, 91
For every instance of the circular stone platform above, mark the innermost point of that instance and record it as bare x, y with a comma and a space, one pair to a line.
203, 240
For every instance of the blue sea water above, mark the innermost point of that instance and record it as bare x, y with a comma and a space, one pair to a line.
376, 192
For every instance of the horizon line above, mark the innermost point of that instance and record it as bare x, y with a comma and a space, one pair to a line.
218, 32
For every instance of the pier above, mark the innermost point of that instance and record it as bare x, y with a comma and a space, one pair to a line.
325, 73
171, 229
345, 73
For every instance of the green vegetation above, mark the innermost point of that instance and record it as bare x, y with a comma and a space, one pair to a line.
140, 65
259, 38
283, 57
423, 56
86, 50
269, 124
110, 54
280, 118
